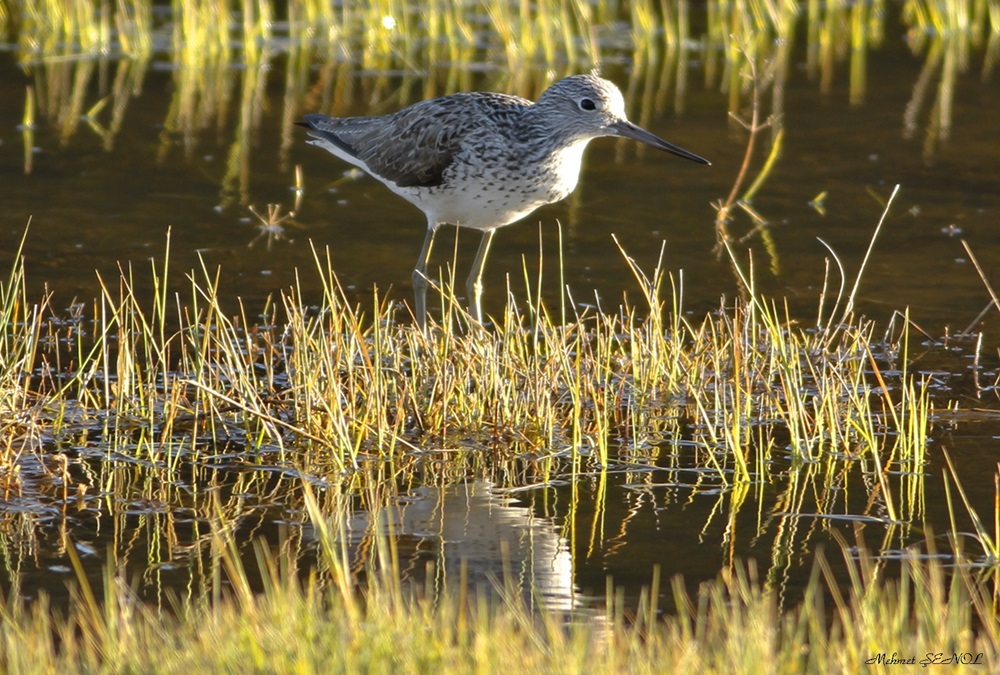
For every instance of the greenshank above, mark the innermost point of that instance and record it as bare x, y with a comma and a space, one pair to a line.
482, 160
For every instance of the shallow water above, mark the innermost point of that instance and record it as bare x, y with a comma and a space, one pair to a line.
94, 206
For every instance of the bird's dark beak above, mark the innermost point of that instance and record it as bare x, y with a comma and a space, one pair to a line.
629, 130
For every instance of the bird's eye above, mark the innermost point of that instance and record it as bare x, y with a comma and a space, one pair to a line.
587, 104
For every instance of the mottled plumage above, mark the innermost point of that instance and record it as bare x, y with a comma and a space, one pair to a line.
482, 160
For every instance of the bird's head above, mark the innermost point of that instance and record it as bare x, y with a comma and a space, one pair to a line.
583, 107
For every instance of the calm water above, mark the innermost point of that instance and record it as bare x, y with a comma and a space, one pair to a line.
94, 206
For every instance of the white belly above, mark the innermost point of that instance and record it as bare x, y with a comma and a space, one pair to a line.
488, 197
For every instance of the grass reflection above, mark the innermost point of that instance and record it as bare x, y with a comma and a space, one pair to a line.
205, 40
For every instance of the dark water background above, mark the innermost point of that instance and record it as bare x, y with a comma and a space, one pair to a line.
92, 208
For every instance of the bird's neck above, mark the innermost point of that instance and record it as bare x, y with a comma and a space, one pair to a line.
541, 133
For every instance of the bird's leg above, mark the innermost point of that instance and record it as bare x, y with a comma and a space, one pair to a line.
420, 279
474, 285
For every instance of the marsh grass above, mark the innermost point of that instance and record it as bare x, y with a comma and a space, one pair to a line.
161, 387
18, 352
359, 382
131, 402
367, 385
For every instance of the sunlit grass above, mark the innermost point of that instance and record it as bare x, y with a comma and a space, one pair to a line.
150, 388
341, 384
18, 352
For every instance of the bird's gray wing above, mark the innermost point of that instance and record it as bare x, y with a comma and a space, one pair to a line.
414, 147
